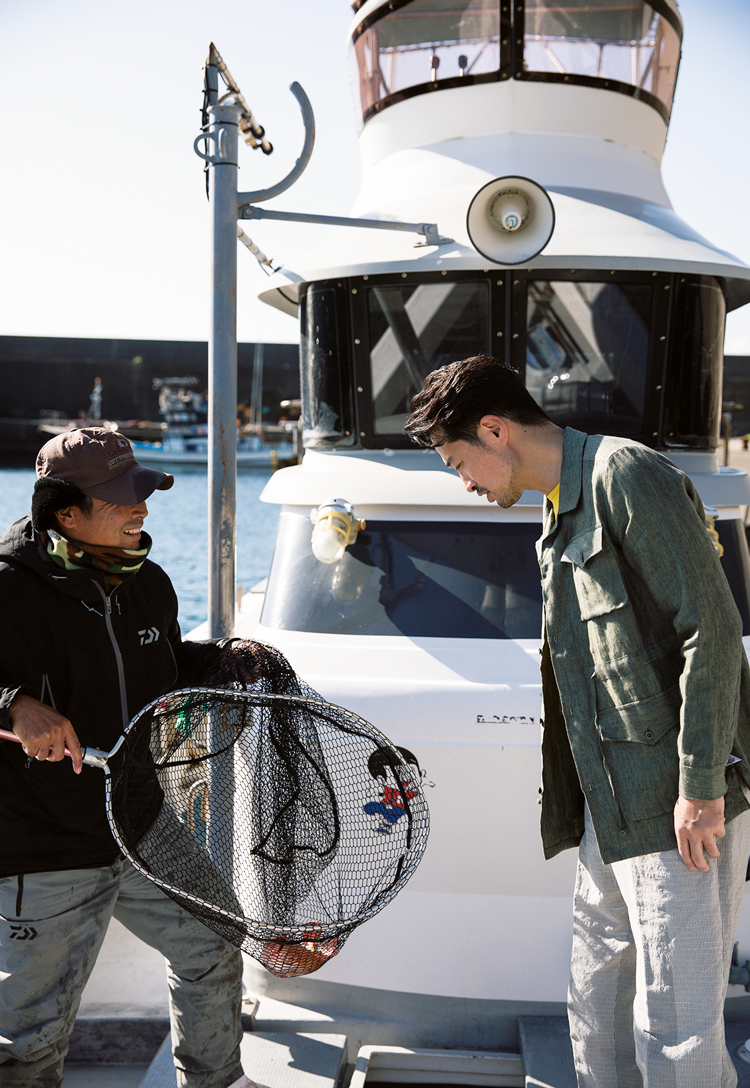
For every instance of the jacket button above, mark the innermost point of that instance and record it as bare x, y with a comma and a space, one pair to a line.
589, 787
554, 638
570, 710
649, 735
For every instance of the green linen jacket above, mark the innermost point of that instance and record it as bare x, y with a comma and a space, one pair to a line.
646, 686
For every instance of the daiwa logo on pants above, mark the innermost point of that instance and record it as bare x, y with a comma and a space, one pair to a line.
23, 933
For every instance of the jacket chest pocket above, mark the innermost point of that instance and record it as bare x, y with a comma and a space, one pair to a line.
596, 575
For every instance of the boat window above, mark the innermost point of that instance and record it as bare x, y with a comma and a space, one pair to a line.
623, 41
422, 579
325, 368
413, 331
694, 371
414, 46
587, 353
419, 43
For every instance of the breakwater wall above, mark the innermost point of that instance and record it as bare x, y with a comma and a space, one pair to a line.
40, 374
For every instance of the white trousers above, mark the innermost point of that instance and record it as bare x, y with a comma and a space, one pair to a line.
652, 947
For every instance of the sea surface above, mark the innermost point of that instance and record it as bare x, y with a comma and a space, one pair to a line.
178, 525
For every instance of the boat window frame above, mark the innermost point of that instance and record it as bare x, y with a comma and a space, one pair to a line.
507, 328
512, 45
503, 72
651, 432
672, 437
361, 350
344, 365
293, 557
519, 43
508, 333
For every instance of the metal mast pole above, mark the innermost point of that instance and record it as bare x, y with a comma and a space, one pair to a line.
222, 123
222, 131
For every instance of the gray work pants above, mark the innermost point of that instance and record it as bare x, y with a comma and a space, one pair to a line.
51, 930
652, 947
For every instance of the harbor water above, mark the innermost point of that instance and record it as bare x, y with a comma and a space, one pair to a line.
178, 525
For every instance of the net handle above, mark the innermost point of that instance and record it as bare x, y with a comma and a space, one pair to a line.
94, 757
97, 757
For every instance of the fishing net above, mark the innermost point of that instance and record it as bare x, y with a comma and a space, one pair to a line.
281, 821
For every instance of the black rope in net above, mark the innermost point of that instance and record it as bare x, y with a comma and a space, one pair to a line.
281, 821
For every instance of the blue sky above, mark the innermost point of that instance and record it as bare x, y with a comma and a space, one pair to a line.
104, 217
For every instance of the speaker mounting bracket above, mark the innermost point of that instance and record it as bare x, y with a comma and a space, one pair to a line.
429, 231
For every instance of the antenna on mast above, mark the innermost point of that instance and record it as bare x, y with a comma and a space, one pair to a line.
253, 133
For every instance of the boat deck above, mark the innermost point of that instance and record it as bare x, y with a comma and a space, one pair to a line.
122, 1044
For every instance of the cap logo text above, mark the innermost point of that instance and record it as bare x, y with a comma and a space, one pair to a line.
120, 458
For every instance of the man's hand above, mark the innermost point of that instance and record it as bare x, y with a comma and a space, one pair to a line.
698, 824
44, 733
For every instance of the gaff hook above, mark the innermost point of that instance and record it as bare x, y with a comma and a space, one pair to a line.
308, 119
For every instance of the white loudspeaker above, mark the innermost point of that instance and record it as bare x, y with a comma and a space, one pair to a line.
510, 220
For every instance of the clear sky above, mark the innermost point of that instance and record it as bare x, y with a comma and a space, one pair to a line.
102, 202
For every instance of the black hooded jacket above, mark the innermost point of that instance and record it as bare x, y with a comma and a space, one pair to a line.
97, 658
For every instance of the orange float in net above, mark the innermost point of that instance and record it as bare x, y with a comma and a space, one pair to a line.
290, 959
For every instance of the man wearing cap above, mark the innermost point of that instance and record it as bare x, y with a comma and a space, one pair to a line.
89, 636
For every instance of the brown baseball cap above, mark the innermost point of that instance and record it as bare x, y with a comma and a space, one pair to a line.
100, 463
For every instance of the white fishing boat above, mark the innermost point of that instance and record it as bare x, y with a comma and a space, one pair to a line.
185, 437
521, 142
526, 140
181, 449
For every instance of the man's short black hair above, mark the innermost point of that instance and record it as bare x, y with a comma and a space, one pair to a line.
456, 397
51, 495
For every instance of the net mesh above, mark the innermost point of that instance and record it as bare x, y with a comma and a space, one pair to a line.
279, 820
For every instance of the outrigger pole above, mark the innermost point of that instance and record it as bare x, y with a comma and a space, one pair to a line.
224, 119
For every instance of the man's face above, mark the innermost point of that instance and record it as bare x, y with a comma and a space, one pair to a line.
106, 524
485, 469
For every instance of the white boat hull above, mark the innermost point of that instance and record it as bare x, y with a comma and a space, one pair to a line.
482, 933
266, 457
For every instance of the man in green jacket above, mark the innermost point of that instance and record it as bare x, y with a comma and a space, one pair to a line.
646, 747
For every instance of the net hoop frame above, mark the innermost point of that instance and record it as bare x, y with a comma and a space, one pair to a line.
263, 929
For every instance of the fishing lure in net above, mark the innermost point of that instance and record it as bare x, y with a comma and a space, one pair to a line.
251, 809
